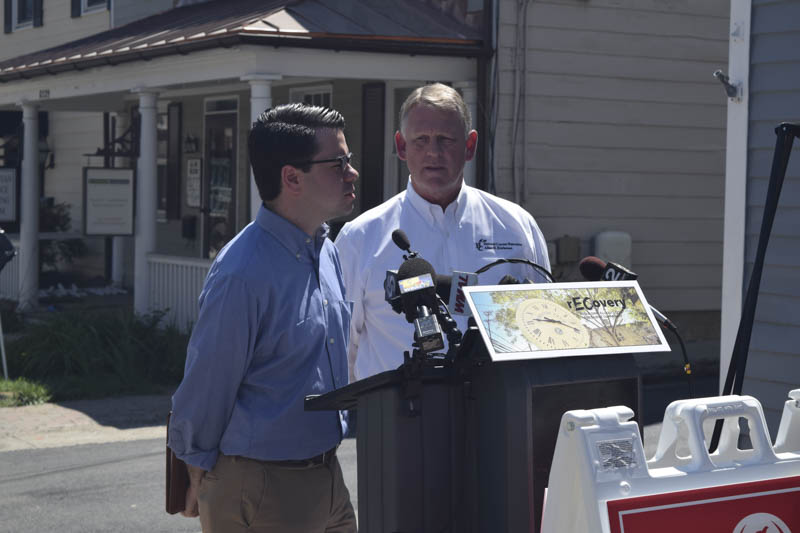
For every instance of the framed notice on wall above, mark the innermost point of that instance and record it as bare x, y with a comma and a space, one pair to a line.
194, 171
8, 195
108, 197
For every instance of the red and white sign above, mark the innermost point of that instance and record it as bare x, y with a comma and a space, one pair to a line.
770, 506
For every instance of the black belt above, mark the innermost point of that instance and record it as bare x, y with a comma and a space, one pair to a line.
324, 458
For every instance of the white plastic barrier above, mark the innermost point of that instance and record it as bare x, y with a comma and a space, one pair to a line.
600, 481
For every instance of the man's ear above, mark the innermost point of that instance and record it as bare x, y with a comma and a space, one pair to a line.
400, 143
291, 180
472, 145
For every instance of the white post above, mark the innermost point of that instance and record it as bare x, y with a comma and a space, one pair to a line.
146, 198
469, 92
260, 100
29, 212
118, 243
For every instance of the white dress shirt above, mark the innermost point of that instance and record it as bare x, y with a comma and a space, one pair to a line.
476, 229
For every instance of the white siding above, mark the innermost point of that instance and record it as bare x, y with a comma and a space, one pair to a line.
126, 11
625, 130
773, 365
58, 28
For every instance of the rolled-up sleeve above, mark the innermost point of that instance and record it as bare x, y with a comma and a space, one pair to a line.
220, 351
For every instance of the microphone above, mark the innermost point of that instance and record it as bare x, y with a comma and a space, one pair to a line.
400, 239
595, 269
451, 290
415, 279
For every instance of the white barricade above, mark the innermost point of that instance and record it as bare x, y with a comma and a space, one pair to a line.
600, 481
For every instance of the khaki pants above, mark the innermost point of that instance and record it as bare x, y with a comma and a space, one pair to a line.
242, 494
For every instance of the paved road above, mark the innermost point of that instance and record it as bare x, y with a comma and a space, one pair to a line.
99, 465
108, 487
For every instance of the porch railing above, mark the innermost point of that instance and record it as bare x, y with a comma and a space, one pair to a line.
175, 284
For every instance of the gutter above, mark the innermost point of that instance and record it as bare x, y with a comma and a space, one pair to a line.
392, 45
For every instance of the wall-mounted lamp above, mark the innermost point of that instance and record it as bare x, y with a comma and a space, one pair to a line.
46, 156
732, 90
190, 145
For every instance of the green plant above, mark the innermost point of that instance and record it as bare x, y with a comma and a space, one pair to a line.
21, 391
98, 353
54, 218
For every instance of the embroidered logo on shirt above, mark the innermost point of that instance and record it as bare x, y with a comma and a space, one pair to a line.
483, 244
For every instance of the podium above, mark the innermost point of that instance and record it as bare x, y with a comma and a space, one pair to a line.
467, 446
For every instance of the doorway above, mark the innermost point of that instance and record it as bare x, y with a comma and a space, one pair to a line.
219, 182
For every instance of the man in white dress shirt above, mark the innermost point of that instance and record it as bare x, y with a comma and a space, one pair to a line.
451, 225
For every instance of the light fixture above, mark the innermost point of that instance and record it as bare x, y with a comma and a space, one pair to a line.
190, 144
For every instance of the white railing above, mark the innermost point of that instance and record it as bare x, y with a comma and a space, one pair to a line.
9, 277
175, 284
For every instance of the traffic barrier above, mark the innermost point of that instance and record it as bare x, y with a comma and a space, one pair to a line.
600, 481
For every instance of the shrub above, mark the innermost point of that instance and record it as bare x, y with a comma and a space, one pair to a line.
98, 353
22, 392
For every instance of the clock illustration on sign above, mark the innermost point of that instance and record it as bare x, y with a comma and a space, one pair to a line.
550, 326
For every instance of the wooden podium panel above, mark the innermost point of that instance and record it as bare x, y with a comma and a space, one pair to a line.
468, 447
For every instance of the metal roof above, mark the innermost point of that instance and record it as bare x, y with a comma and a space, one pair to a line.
403, 26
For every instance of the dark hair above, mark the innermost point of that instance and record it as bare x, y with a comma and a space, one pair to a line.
285, 135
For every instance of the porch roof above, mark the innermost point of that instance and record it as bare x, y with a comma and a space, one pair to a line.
402, 26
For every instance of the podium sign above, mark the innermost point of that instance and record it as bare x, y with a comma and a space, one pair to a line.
564, 319
758, 507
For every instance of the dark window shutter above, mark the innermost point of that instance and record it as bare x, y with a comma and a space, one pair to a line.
8, 25
372, 149
38, 13
76, 8
174, 160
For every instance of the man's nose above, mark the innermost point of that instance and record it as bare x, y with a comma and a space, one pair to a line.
350, 174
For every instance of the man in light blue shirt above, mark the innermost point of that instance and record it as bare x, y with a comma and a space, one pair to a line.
273, 328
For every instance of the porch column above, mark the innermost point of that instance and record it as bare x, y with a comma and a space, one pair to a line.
118, 242
469, 92
146, 198
29, 212
260, 100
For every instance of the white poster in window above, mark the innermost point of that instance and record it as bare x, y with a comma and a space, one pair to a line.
8, 195
194, 171
108, 201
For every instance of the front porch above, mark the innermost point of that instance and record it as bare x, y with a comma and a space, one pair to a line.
191, 112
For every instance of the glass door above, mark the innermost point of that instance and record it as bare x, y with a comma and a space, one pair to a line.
219, 209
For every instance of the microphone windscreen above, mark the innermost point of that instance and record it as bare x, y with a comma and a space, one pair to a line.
508, 279
401, 239
412, 268
592, 267
443, 286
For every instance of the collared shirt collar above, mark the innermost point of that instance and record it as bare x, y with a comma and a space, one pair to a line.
432, 213
295, 240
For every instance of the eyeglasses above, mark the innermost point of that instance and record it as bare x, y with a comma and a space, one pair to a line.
343, 161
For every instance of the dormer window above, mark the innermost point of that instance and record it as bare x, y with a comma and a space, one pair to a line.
23, 13
93, 5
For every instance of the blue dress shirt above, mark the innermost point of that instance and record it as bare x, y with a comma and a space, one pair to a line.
273, 327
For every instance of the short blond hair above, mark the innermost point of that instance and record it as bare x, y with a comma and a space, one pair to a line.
438, 96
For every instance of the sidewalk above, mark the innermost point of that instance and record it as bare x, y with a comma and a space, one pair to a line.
83, 422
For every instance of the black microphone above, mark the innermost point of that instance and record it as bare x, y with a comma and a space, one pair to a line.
595, 269
400, 238
415, 279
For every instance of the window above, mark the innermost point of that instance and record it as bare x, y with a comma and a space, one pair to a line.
23, 13
321, 95
79, 7
93, 5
